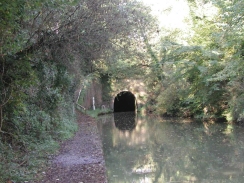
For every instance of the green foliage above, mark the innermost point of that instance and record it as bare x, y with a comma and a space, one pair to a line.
168, 101
39, 111
202, 78
47, 49
23, 166
105, 81
97, 112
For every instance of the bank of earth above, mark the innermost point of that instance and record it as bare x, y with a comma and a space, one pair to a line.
80, 159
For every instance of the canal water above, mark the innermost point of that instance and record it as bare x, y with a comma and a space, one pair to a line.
145, 149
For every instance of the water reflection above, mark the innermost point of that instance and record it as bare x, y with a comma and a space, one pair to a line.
128, 122
167, 150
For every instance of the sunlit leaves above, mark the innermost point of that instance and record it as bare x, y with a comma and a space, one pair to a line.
193, 67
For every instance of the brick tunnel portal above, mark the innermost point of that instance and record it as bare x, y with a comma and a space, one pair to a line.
125, 101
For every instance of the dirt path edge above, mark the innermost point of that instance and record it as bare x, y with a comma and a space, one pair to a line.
80, 159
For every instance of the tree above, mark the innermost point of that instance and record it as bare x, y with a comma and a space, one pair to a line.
46, 48
231, 43
184, 88
205, 77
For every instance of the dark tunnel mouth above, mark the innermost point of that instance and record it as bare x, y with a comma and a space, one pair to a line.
125, 101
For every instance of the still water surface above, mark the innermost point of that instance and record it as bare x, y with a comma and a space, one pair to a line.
143, 149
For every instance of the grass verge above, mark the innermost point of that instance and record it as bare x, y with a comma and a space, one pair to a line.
98, 112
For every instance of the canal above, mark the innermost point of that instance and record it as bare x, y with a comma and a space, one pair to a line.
146, 149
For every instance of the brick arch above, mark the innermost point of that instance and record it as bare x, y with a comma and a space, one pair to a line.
125, 101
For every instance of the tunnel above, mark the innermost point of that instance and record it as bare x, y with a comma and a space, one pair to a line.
125, 101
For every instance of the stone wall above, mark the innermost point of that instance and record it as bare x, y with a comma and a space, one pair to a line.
135, 86
95, 90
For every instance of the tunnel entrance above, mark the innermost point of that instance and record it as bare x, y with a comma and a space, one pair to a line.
125, 101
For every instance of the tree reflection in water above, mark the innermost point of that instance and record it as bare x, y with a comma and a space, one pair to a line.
145, 149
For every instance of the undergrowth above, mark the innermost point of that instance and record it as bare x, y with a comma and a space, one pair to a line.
98, 112
24, 164
24, 156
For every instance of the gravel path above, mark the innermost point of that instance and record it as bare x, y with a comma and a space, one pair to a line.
80, 159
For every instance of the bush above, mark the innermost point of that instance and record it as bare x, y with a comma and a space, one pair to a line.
34, 118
